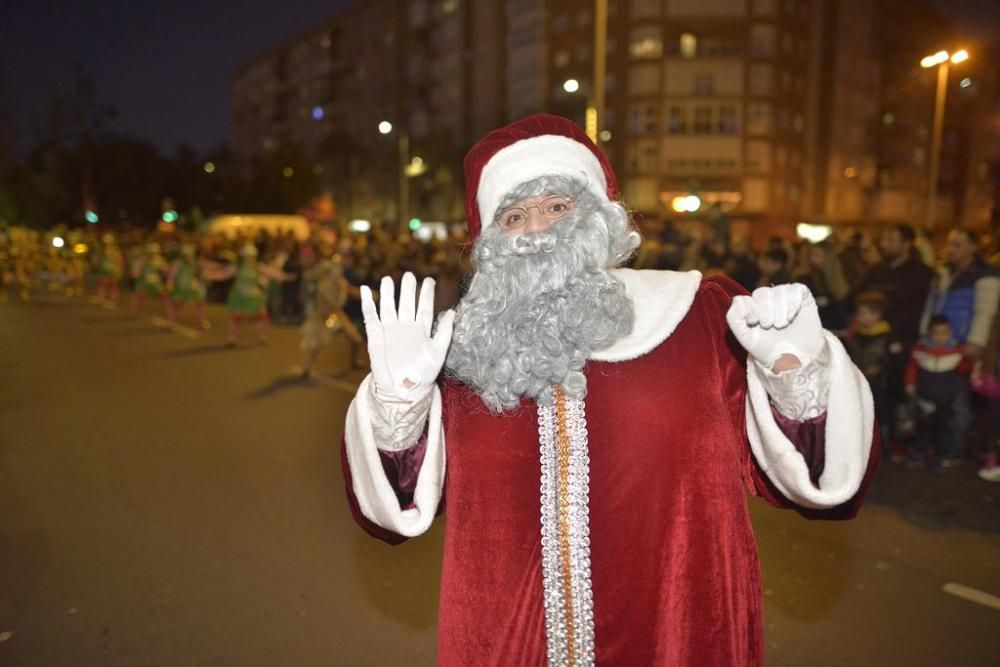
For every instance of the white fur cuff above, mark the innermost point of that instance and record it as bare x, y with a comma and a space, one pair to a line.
376, 498
850, 420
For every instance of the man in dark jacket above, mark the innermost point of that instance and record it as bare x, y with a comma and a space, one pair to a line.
904, 280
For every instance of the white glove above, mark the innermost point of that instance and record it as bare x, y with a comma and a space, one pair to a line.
405, 359
776, 321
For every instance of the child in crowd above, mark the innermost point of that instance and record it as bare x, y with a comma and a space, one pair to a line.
937, 376
869, 342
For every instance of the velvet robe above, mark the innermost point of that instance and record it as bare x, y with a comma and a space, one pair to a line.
675, 572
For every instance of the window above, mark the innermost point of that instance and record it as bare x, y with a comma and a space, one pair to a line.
759, 118
780, 157
643, 119
798, 122
645, 9
561, 58
644, 79
583, 52
761, 79
560, 23
677, 120
643, 156
763, 39
728, 121
646, 42
758, 156
704, 84
721, 46
689, 45
583, 17
702, 120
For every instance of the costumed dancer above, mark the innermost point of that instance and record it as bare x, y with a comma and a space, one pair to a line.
6, 265
630, 410
247, 298
326, 317
184, 285
25, 256
148, 275
110, 268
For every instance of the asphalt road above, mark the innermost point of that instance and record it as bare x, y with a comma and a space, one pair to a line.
167, 501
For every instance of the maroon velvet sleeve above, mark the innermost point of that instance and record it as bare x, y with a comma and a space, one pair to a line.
809, 437
401, 469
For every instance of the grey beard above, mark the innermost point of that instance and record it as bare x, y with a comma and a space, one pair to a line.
538, 306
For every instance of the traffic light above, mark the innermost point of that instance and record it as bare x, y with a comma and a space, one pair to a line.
415, 224
91, 217
170, 216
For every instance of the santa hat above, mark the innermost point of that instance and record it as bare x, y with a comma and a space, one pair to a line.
536, 146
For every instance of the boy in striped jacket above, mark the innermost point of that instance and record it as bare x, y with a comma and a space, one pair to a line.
938, 377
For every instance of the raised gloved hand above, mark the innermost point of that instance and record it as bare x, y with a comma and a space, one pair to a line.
405, 359
776, 321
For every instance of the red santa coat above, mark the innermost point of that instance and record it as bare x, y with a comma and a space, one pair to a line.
675, 573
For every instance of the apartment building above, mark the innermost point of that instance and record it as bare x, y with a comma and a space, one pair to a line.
776, 110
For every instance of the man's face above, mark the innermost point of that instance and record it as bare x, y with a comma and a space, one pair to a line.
959, 249
534, 214
892, 244
940, 333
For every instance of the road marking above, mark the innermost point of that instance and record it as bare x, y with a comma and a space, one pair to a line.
972, 595
187, 332
349, 387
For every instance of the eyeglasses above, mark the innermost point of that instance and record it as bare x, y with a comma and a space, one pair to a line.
551, 208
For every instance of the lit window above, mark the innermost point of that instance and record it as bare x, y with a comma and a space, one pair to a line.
646, 42
561, 58
689, 45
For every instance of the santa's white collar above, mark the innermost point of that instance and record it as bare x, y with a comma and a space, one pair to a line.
661, 300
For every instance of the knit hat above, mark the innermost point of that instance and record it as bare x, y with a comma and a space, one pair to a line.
536, 146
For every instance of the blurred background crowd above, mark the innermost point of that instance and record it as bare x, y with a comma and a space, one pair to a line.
919, 320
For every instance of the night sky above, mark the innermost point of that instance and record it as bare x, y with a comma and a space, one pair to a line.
166, 66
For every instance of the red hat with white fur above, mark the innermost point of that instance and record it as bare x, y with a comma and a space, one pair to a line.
536, 146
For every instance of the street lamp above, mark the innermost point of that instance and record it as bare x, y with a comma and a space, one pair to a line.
942, 60
385, 128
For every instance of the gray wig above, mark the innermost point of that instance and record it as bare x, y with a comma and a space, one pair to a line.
539, 304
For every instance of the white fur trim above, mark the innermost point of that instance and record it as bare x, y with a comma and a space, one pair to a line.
528, 159
375, 495
661, 300
850, 419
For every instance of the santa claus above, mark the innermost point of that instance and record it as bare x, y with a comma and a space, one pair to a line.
591, 431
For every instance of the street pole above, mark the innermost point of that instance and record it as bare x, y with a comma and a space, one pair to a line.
939, 104
600, 68
404, 184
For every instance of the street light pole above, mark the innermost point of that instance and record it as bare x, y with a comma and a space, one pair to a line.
939, 104
595, 113
942, 60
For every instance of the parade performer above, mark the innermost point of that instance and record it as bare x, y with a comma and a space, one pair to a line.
326, 316
247, 298
26, 260
184, 285
148, 275
6, 265
110, 268
596, 428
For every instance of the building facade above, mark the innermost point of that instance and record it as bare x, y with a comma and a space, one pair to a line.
776, 110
